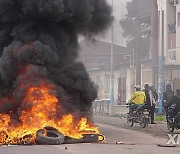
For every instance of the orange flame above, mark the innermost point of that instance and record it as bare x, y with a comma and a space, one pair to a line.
40, 114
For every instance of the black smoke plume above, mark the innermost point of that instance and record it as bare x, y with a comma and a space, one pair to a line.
39, 41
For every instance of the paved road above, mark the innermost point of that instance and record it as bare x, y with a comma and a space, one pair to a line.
134, 142
160, 129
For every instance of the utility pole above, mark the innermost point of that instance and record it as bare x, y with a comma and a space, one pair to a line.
154, 40
137, 48
160, 70
112, 67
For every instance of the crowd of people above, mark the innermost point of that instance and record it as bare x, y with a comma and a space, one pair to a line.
148, 97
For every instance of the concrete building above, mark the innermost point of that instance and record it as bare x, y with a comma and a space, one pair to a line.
171, 41
96, 57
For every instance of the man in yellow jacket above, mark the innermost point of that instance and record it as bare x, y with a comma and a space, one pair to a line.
138, 99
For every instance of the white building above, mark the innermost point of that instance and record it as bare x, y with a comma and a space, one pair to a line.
124, 73
171, 40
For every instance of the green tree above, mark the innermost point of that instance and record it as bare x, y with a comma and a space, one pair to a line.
129, 29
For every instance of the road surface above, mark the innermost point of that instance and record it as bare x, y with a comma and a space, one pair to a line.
132, 142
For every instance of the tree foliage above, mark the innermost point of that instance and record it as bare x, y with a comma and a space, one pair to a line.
128, 25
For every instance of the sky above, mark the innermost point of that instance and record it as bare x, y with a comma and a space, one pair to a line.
119, 11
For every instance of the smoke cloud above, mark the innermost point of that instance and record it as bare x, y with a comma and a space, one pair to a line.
39, 43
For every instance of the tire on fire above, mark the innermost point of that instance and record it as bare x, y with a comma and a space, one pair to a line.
51, 137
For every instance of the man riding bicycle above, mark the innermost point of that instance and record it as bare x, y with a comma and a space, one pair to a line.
137, 100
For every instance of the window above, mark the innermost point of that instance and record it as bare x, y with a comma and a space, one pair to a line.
172, 54
172, 28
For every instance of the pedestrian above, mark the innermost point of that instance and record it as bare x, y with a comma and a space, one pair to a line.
150, 101
153, 102
156, 95
167, 94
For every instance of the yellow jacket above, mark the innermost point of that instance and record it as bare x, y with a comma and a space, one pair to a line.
139, 98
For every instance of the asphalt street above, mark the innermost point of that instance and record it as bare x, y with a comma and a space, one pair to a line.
118, 140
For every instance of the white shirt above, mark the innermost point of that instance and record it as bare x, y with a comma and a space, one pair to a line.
152, 99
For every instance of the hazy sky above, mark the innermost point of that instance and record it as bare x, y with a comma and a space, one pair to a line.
119, 8
119, 11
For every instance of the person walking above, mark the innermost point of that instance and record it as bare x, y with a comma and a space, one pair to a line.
150, 101
153, 102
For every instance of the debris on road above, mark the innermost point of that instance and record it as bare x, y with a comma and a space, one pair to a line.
118, 142
167, 145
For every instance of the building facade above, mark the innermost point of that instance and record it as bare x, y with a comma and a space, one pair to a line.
96, 57
171, 41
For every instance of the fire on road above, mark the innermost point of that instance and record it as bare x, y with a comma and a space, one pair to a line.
42, 83
130, 142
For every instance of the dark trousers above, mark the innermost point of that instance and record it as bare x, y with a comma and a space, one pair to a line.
133, 107
170, 114
152, 111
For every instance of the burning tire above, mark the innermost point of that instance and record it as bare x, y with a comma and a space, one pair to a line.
87, 138
70, 140
49, 137
90, 138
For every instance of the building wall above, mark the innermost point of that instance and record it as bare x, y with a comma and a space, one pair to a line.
102, 80
147, 76
178, 32
171, 42
123, 76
